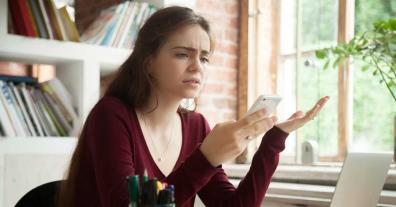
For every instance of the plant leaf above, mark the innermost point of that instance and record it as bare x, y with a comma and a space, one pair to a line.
321, 54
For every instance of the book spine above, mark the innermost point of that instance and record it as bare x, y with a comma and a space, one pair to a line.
46, 19
109, 32
38, 19
18, 109
40, 116
71, 29
54, 123
64, 96
31, 19
9, 105
52, 20
129, 22
62, 125
5, 119
58, 18
23, 109
32, 112
122, 23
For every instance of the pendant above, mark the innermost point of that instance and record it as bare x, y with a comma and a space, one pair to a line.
159, 159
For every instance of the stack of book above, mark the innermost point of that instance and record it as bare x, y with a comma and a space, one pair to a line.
41, 18
31, 109
118, 26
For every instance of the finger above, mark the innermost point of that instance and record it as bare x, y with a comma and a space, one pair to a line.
257, 128
315, 110
297, 114
252, 118
320, 104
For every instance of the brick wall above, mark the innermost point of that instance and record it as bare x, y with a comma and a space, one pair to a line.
218, 100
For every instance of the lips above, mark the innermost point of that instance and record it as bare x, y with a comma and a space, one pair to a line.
192, 80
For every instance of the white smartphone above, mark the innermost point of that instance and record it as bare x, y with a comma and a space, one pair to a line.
269, 102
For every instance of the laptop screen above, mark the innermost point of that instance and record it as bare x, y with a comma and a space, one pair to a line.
361, 179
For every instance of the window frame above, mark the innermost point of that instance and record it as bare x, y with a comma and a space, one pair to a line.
250, 14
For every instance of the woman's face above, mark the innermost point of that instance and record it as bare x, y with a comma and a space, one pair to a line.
178, 68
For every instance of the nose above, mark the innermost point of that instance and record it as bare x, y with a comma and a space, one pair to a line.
195, 65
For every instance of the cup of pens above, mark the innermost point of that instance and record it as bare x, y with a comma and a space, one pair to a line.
149, 192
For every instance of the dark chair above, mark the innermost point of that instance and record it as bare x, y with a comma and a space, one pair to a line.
41, 196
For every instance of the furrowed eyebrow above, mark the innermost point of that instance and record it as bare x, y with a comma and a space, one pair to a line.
205, 52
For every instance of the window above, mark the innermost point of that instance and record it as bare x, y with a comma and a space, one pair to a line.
374, 109
361, 112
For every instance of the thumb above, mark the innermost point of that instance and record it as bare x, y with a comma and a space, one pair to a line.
297, 114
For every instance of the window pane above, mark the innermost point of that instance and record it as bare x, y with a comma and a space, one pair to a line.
374, 108
286, 89
313, 83
288, 25
373, 113
319, 22
369, 11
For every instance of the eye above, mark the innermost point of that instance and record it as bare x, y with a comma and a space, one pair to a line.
182, 55
204, 60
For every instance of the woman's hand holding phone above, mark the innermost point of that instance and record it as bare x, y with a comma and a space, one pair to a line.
228, 140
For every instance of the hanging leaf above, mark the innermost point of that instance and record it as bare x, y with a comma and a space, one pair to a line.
326, 65
365, 68
320, 54
376, 47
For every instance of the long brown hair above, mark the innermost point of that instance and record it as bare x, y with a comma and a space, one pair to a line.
132, 83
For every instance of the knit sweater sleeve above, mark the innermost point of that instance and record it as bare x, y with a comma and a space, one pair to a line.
197, 175
251, 190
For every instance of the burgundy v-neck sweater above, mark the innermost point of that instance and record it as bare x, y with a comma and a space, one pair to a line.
114, 147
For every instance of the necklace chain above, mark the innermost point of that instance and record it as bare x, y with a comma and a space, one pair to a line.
148, 129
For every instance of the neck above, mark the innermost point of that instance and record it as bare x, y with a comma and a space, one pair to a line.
165, 110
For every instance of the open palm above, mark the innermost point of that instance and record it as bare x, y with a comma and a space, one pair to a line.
299, 118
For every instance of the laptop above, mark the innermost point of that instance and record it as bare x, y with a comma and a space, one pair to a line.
361, 180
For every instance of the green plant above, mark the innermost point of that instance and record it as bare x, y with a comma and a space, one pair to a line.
377, 49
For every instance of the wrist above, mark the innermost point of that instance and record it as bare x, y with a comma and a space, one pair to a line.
206, 154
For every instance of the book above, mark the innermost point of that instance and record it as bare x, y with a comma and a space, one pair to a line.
62, 124
131, 18
118, 25
18, 110
123, 24
47, 23
31, 17
31, 110
17, 79
22, 106
14, 69
136, 26
119, 22
38, 18
10, 108
96, 30
59, 93
70, 27
58, 19
5, 119
52, 19
56, 128
109, 33
20, 18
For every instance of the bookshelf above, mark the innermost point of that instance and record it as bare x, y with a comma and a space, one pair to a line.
79, 67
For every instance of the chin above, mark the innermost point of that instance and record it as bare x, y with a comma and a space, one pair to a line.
190, 94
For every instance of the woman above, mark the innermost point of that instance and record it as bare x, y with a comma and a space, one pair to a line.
139, 125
